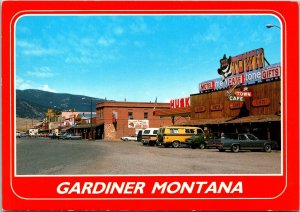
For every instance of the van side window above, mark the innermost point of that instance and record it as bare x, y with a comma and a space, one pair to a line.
154, 131
190, 131
174, 131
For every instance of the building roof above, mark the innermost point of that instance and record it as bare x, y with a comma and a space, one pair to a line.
232, 120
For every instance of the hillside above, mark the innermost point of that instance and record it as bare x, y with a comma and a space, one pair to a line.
23, 124
33, 103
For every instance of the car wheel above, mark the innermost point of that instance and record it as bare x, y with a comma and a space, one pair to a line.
268, 148
235, 148
176, 144
126, 139
202, 145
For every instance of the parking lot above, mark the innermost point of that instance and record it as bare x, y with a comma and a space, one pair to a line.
43, 156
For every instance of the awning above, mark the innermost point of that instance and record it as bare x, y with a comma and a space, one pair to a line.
233, 120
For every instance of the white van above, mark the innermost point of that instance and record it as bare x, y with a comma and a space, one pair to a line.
149, 136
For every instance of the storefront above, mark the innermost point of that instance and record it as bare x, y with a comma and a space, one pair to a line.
246, 97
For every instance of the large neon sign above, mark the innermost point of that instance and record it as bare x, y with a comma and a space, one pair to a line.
244, 69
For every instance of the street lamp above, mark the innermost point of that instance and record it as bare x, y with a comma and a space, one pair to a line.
272, 25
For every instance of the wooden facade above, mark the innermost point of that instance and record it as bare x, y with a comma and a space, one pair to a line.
265, 100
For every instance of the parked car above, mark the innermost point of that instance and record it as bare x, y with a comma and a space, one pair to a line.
175, 135
149, 136
244, 141
129, 138
68, 136
20, 134
202, 141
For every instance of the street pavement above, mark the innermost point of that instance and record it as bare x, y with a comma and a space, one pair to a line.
43, 156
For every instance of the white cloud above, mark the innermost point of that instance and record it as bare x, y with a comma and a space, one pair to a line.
42, 72
46, 88
30, 49
22, 84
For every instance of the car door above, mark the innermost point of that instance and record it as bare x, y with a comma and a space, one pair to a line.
244, 142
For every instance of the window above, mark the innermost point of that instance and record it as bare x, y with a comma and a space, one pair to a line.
242, 137
252, 137
146, 132
174, 131
130, 115
189, 131
145, 115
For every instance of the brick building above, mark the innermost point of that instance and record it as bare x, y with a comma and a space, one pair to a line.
117, 119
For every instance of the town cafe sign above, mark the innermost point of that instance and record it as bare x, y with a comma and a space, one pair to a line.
243, 69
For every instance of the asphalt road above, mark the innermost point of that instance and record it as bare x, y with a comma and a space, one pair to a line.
43, 156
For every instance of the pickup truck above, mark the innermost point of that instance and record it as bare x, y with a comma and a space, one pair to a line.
244, 141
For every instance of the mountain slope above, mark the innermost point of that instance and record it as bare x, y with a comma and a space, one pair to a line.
33, 103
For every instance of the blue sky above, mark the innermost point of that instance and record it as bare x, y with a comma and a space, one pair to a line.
134, 57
